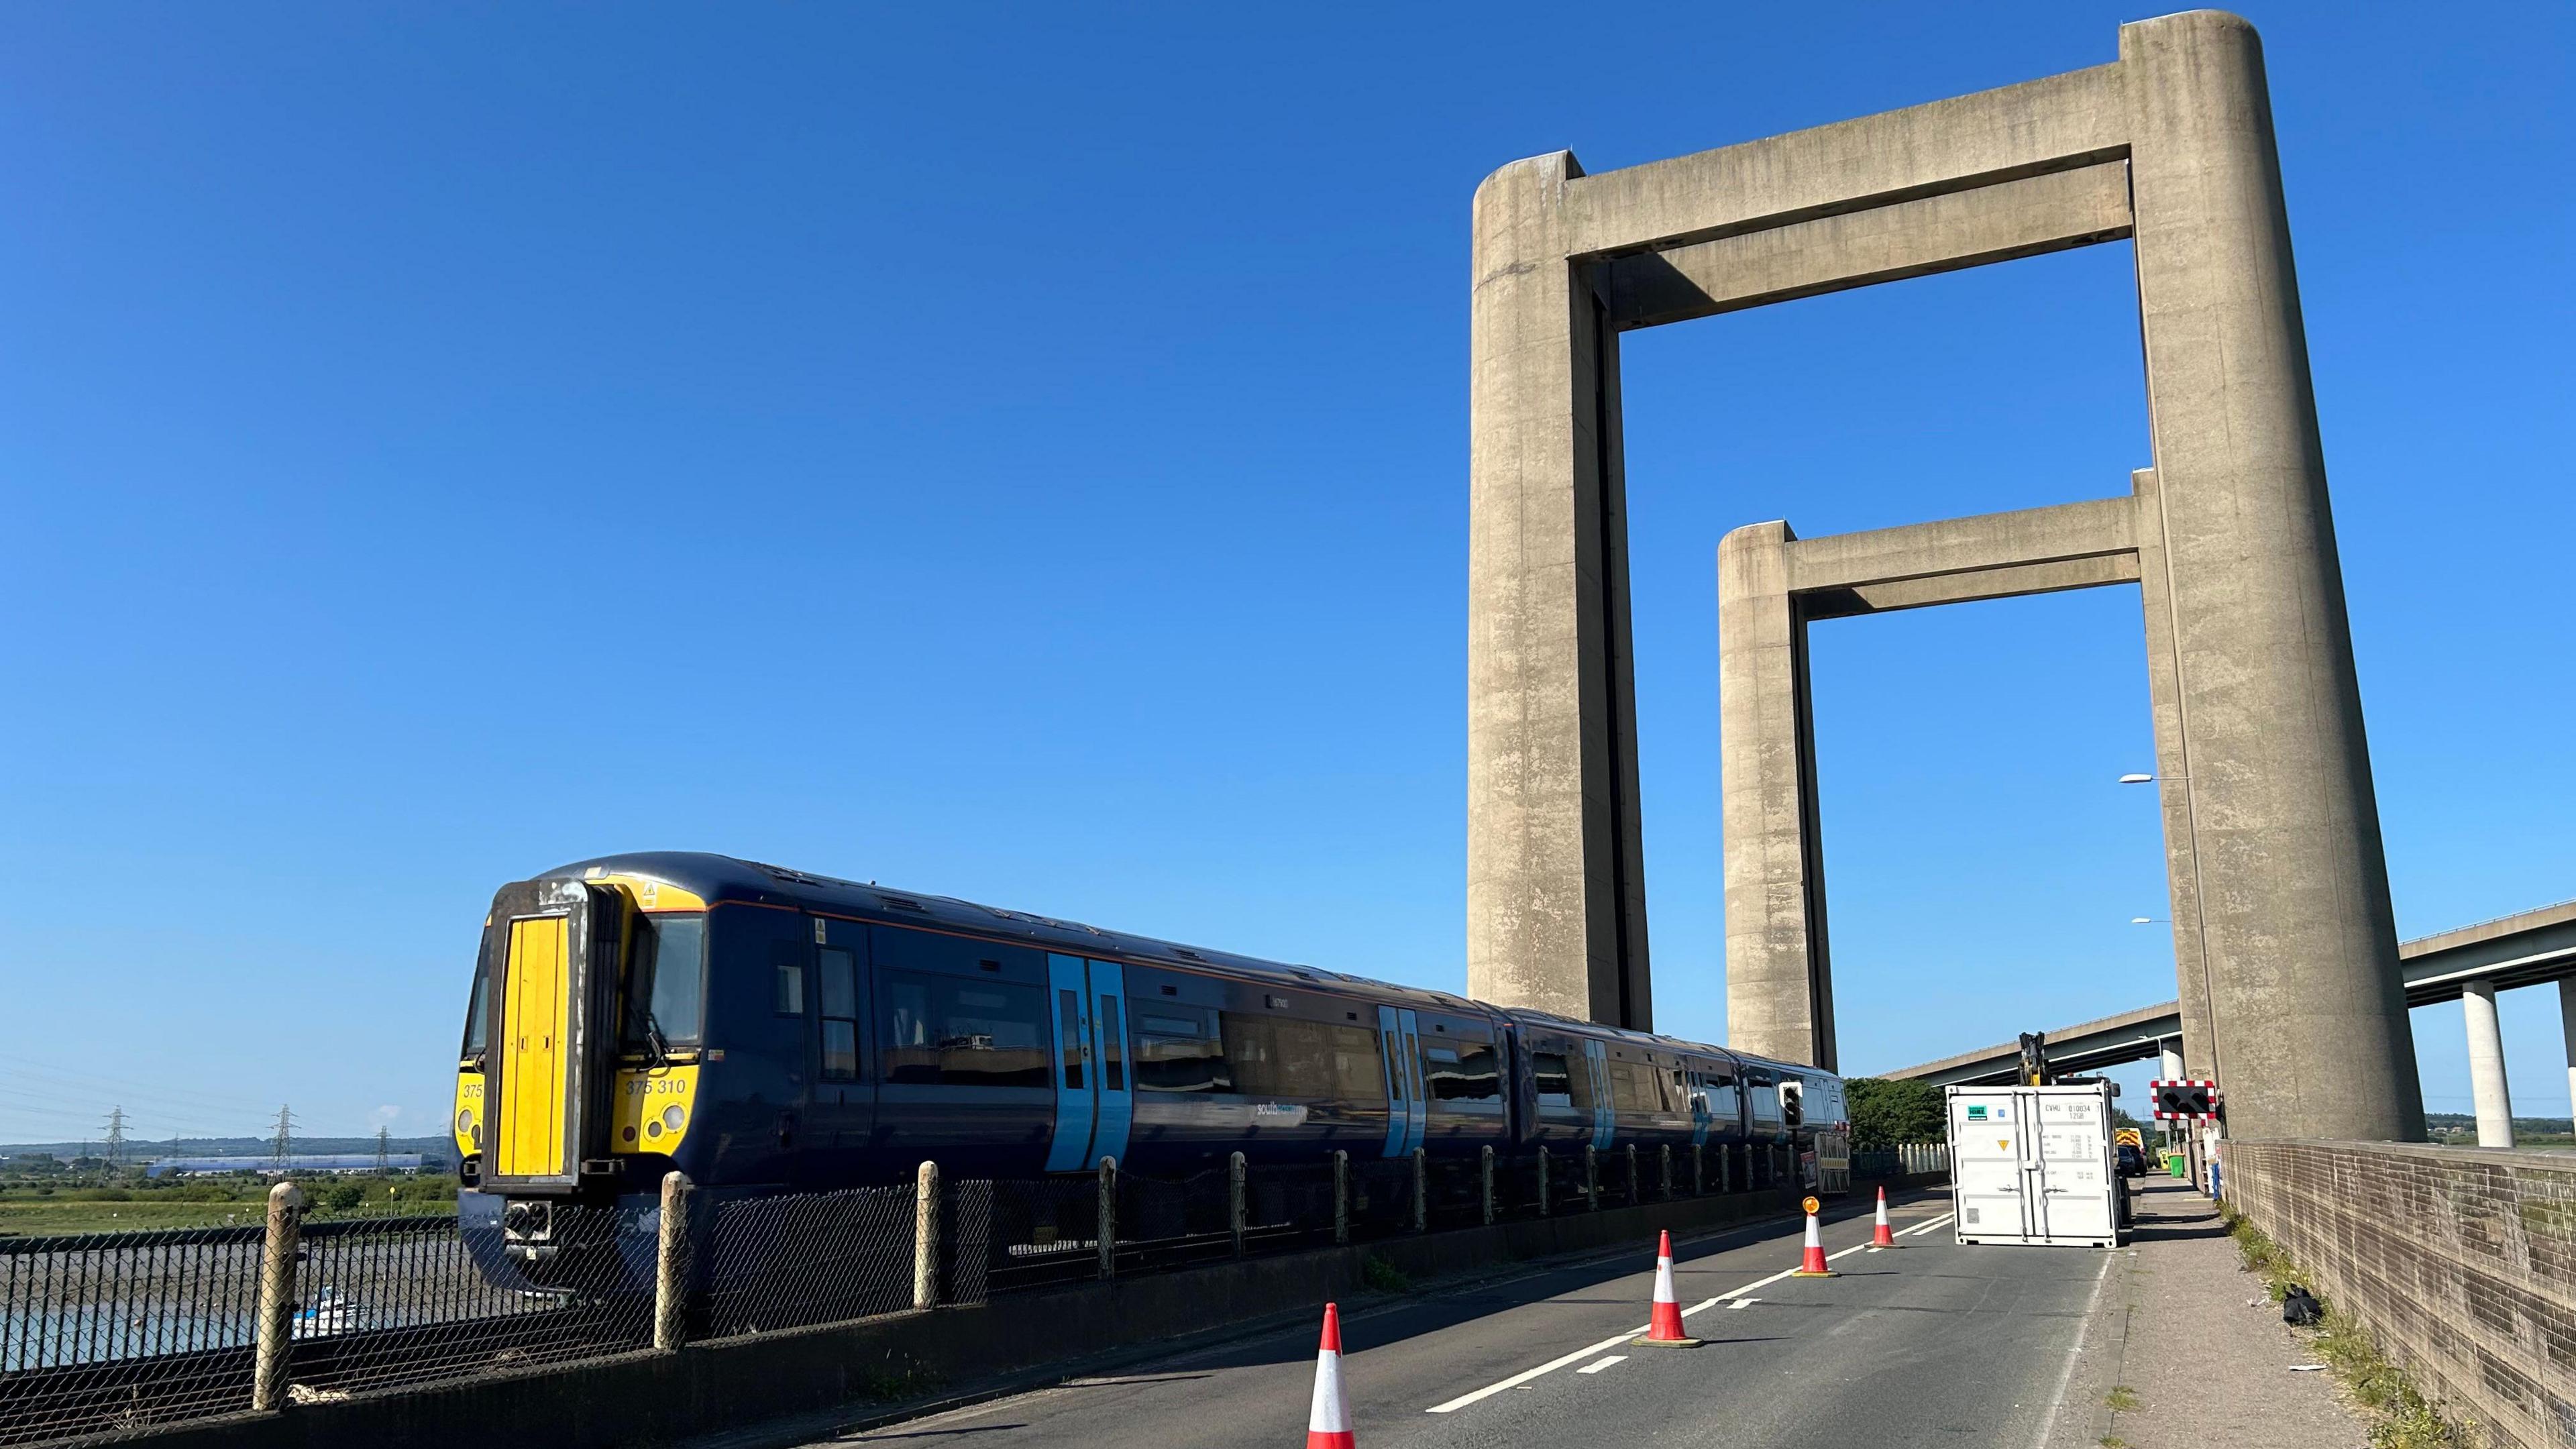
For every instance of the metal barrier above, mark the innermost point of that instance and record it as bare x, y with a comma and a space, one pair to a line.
118, 1331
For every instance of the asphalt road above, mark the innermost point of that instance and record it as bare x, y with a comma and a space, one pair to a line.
1934, 1344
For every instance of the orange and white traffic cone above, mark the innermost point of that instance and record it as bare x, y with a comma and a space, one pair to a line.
1665, 1328
1328, 1423
1882, 1236
1813, 1264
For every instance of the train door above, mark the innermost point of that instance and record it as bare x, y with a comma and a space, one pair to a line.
1399, 1034
533, 1005
1095, 1091
842, 1116
1605, 1112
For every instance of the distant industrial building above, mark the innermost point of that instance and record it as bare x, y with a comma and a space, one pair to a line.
295, 1162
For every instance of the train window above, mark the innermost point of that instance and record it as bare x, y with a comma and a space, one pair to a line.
1554, 1081
964, 1033
1723, 1101
1624, 1093
475, 1025
791, 989
1464, 1073
1277, 1057
840, 1002
1358, 1074
669, 976
1068, 1010
1113, 1061
1178, 1050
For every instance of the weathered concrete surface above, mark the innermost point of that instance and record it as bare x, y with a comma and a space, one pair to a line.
2286, 944
2461, 1264
1779, 985
2311, 1036
1556, 904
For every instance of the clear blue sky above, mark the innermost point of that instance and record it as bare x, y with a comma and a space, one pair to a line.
1022, 455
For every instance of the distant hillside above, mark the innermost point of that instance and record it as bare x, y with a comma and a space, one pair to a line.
2462, 1122
443, 1148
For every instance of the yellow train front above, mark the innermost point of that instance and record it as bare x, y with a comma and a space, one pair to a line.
579, 1080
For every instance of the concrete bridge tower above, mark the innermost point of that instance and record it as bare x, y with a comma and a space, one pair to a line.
2285, 942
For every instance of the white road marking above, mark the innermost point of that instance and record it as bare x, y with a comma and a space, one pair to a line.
2074, 1351
1927, 1227
1549, 1367
1580, 1354
1594, 1368
1741, 1302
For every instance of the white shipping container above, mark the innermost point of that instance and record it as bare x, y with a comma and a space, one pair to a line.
2034, 1165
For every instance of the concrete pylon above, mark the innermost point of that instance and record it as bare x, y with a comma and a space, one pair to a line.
2286, 946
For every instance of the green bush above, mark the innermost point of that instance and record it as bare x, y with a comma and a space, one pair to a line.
1886, 1112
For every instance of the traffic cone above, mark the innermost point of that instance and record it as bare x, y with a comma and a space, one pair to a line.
1665, 1329
1882, 1236
1328, 1422
1813, 1264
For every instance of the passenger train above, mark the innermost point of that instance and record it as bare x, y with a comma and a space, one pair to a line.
765, 1030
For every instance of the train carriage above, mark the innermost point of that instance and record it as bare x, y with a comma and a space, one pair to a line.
766, 1030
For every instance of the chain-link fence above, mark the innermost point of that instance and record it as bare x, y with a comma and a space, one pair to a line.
112, 1331
124, 1330
390, 1302
790, 1262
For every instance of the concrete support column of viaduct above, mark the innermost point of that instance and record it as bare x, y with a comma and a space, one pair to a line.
2286, 944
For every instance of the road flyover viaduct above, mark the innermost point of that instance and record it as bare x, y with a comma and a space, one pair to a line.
2473, 963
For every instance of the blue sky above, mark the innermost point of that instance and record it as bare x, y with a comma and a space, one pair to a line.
1022, 455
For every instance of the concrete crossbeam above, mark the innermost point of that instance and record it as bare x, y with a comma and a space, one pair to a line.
2055, 123
2049, 212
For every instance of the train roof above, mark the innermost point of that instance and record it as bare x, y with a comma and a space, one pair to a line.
720, 878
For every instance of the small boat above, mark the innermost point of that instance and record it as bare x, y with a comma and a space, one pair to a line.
327, 1314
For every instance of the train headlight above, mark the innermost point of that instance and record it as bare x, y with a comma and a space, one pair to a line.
465, 1120
672, 1117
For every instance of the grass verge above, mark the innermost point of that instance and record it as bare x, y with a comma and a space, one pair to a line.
2400, 1417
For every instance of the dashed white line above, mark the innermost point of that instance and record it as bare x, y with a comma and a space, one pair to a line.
1740, 1302
1580, 1354
1549, 1367
1594, 1368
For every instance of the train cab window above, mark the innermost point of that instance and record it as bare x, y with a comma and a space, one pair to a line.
1464, 1073
962, 1033
1178, 1050
669, 977
789, 996
475, 1025
1551, 1076
840, 1002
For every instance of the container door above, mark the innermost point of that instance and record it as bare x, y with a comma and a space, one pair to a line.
1986, 1165
1076, 1111
1117, 1090
533, 1050
1399, 1082
2074, 1200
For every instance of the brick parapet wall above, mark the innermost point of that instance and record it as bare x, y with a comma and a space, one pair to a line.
2461, 1263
